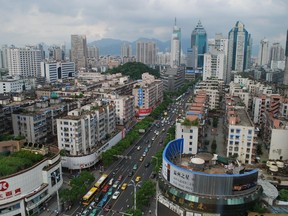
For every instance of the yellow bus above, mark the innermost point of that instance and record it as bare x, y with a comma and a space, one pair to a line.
89, 196
101, 181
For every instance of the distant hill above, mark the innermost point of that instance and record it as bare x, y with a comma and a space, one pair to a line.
110, 46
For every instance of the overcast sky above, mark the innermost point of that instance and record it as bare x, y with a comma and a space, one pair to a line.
53, 21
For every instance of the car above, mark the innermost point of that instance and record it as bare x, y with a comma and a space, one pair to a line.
141, 158
144, 154
94, 212
157, 133
105, 188
146, 149
153, 138
149, 146
147, 164
110, 191
135, 167
124, 186
147, 141
107, 208
116, 183
116, 194
130, 173
84, 213
111, 181
138, 178
120, 177
163, 130
138, 148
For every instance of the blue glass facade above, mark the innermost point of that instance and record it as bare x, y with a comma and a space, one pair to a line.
199, 39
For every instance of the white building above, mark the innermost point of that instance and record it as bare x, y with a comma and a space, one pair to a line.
80, 132
24, 61
55, 71
214, 65
190, 136
16, 84
263, 55
126, 50
26, 192
175, 58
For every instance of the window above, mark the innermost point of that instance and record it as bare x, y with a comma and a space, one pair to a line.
236, 142
236, 149
232, 130
250, 132
191, 137
238, 131
237, 137
231, 136
248, 144
191, 131
190, 149
190, 143
230, 142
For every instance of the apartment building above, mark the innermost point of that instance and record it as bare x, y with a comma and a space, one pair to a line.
16, 84
82, 130
241, 137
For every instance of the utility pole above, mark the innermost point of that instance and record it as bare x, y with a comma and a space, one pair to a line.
135, 185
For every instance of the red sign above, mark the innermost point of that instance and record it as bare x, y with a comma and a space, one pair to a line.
8, 193
17, 191
4, 185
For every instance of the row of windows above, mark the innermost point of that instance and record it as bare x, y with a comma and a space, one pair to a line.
232, 130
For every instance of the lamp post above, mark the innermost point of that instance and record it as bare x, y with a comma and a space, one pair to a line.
156, 160
53, 175
135, 185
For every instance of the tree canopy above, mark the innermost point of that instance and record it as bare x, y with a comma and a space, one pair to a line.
134, 70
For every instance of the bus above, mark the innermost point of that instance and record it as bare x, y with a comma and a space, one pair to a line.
101, 181
89, 196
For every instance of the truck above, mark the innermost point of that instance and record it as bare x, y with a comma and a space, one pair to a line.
141, 131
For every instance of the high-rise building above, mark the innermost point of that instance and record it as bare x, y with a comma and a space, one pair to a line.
285, 81
175, 58
79, 51
263, 55
199, 41
146, 52
126, 50
23, 61
56, 53
239, 49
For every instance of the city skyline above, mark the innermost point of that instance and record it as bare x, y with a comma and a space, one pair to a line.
53, 22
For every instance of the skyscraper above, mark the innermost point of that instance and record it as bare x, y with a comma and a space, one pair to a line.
285, 81
239, 49
276, 52
263, 55
79, 51
146, 52
126, 50
199, 41
175, 57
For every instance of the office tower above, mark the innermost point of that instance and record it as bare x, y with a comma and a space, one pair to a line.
55, 53
192, 55
239, 49
175, 46
79, 51
285, 82
214, 65
146, 52
126, 50
40, 47
199, 40
263, 55
24, 61
3, 56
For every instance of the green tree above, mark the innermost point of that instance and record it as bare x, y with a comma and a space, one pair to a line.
283, 195
214, 146
259, 150
215, 122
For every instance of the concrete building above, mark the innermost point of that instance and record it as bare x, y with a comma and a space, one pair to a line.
56, 53
83, 129
263, 55
285, 81
214, 65
173, 78
79, 51
175, 59
146, 52
56, 71
16, 84
276, 53
126, 50
239, 50
148, 94
125, 109
27, 191
93, 52
23, 61
241, 137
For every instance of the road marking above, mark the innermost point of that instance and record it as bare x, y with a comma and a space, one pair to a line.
126, 200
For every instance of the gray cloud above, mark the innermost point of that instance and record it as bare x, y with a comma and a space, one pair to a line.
53, 21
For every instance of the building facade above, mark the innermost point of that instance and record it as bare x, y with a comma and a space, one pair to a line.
23, 61
146, 52
263, 55
175, 58
79, 51
239, 49
199, 43
16, 84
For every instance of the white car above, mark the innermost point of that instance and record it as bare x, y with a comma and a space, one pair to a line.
115, 185
116, 194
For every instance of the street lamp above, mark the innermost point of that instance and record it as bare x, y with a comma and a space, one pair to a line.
56, 177
156, 160
135, 186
